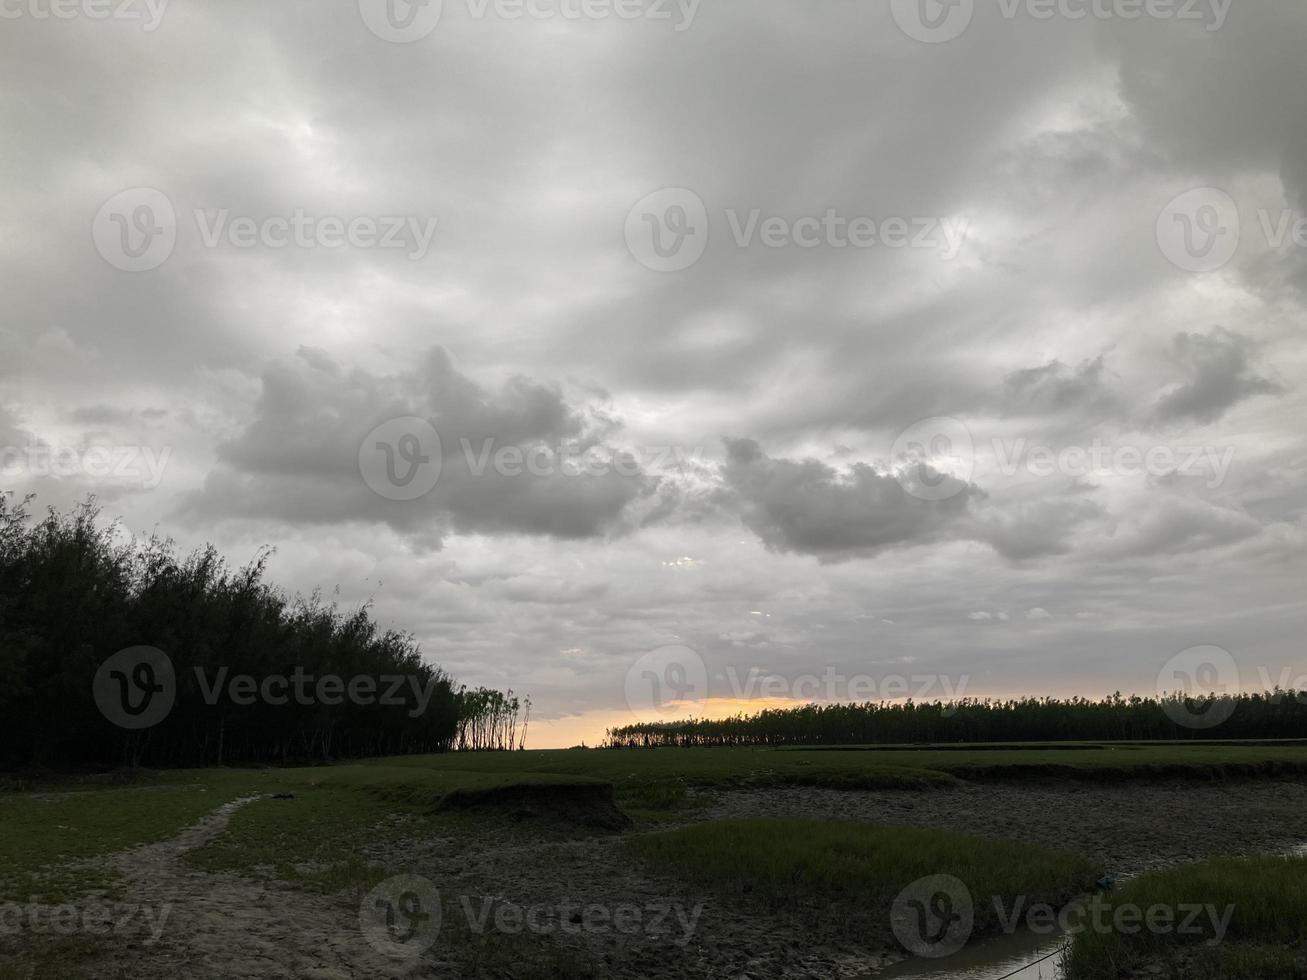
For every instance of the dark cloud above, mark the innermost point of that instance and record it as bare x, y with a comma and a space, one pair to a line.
1056, 388
1220, 377
810, 507
297, 460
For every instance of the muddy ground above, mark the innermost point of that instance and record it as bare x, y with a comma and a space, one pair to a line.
519, 899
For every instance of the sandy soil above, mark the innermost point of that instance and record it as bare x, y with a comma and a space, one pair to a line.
494, 876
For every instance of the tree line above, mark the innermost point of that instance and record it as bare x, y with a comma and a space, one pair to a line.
239, 671
1263, 715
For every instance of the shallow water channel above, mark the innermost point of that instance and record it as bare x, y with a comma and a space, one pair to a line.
1020, 956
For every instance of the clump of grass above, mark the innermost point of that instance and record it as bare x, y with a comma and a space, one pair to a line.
1267, 927
844, 876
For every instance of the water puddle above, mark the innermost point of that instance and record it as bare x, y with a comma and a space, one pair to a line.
1020, 956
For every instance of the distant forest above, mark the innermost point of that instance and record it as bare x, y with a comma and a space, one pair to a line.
1271, 715
75, 591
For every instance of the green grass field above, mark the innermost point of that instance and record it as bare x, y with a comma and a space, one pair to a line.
905, 767
59, 820
844, 876
1247, 918
52, 826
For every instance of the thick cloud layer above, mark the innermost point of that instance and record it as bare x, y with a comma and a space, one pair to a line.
517, 460
990, 366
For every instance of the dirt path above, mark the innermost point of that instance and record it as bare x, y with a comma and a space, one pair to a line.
190, 923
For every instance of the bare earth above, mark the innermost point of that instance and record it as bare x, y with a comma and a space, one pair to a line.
222, 925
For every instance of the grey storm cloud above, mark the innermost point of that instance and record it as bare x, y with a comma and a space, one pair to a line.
808, 506
297, 460
1220, 376
1055, 387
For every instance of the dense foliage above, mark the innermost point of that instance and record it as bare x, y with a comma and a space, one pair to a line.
74, 592
1274, 714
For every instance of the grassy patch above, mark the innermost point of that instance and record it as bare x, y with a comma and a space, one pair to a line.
314, 839
45, 838
928, 767
1266, 902
844, 877
311, 840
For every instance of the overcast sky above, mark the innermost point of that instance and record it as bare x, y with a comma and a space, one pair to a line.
902, 340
